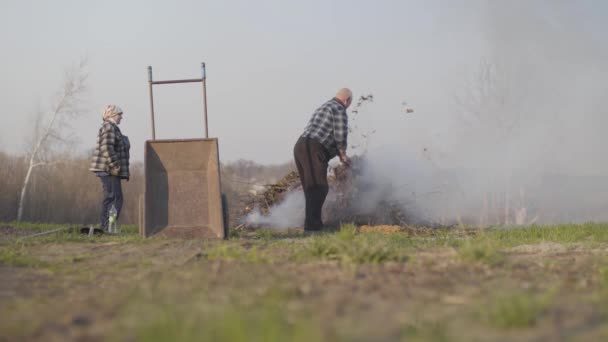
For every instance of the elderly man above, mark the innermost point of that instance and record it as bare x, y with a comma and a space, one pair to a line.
324, 138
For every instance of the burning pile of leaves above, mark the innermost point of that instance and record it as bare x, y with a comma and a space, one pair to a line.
345, 186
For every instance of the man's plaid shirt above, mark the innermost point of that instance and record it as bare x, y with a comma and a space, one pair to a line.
329, 126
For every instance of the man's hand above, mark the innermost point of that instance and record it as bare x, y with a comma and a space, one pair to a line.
344, 158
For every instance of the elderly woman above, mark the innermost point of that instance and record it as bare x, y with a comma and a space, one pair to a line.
111, 161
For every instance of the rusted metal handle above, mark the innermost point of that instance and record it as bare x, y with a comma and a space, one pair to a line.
203, 80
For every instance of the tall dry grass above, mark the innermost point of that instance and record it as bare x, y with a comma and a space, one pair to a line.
67, 192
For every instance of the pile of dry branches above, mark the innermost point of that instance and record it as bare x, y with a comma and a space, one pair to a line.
274, 194
345, 186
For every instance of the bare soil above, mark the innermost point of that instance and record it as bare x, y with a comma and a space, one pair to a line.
89, 291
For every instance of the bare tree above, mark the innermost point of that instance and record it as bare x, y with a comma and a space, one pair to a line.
494, 106
51, 129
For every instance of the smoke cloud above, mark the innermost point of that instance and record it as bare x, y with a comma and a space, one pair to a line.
526, 136
527, 140
287, 214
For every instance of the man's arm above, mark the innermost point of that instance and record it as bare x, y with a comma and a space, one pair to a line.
340, 121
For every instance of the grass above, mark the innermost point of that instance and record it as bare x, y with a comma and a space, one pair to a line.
348, 246
128, 234
229, 251
492, 238
566, 233
517, 310
15, 255
344, 246
601, 294
481, 250
488, 246
14, 252
40, 227
266, 321
277, 286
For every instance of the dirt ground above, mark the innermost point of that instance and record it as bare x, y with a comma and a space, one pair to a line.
269, 286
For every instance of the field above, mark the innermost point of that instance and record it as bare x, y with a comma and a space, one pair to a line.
536, 283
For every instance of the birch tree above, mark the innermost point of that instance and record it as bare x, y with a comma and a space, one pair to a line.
52, 130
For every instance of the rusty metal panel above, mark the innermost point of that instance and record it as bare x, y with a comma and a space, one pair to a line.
182, 193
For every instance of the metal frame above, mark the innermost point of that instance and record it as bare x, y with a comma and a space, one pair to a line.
203, 80
189, 225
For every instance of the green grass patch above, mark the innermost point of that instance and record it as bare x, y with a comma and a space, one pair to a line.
273, 235
263, 318
345, 245
487, 245
235, 234
566, 233
14, 255
481, 250
265, 234
128, 234
266, 323
128, 229
351, 247
518, 310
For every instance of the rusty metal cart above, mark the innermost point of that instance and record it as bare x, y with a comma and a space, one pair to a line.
182, 191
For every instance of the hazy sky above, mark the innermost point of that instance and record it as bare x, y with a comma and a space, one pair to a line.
269, 65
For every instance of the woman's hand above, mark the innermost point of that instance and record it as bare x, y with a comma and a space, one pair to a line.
115, 170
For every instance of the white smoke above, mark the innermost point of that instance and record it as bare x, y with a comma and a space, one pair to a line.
522, 140
526, 140
289, 213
